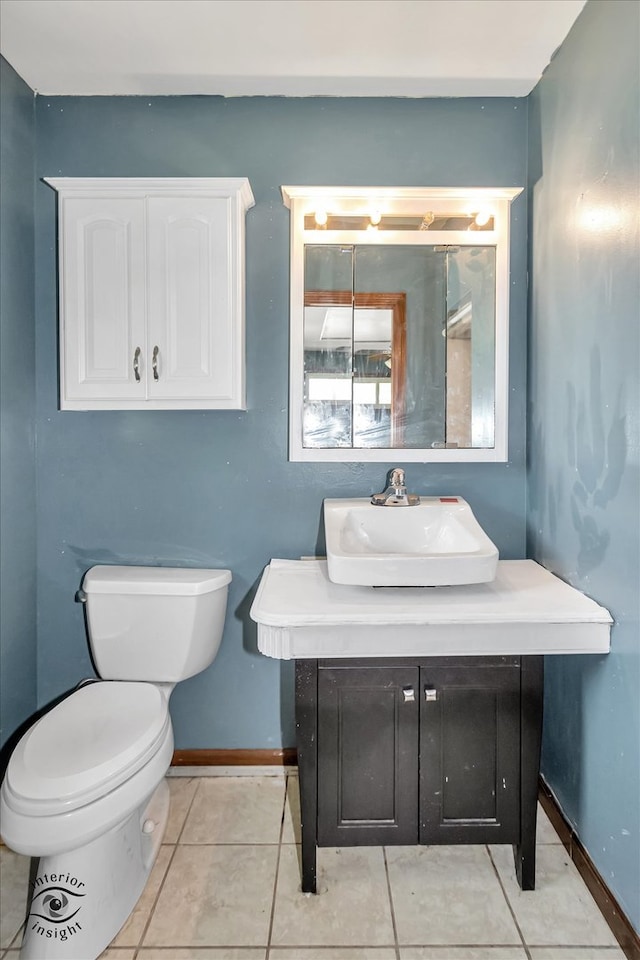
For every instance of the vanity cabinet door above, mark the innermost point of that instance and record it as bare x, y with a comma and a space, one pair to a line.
470, 753
367, 755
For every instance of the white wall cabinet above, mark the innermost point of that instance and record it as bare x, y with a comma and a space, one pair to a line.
151, 279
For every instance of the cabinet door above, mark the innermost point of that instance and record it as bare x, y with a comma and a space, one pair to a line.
195, 337
367, 755
102, 297
469, 754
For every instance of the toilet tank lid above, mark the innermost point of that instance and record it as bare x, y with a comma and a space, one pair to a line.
167, 581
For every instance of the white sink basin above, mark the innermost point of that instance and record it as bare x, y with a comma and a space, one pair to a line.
435, 543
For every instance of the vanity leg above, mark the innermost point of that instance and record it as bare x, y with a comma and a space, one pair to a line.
531, 690
307, 744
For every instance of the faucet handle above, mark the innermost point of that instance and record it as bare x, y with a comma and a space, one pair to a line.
396, 477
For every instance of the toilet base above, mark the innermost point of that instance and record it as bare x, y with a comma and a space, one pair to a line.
81, 899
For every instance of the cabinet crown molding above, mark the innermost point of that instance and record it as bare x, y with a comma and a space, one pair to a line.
154, 186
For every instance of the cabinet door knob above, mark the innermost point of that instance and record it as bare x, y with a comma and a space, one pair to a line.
409, 694
154, 362
136, 364
430, 693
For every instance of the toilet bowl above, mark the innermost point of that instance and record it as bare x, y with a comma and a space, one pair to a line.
85, 790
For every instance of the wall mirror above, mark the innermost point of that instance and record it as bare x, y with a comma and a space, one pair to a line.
399, 323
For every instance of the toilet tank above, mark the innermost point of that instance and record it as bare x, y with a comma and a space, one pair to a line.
159, 624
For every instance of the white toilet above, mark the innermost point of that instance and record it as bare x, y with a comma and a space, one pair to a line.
85, 790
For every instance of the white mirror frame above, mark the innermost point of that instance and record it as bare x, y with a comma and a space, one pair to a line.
304, 201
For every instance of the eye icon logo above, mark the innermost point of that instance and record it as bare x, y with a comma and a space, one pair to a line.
56, 904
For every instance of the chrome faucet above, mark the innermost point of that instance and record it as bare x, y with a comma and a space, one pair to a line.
396, 493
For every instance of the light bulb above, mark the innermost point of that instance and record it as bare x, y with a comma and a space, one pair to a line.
321, 217
482, 218
375, 216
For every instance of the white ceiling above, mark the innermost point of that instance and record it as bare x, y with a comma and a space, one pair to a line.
415, 48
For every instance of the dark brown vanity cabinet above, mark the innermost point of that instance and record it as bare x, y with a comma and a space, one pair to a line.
439, 750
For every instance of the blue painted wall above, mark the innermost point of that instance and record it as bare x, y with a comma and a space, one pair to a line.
18, 667
584, 431
215, 488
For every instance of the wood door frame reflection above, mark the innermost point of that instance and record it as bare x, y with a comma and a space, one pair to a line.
397, 303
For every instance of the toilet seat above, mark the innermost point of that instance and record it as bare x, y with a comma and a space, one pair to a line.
87, 746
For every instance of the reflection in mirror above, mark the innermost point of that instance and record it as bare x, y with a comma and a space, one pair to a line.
354, 394
470, 347
398, 346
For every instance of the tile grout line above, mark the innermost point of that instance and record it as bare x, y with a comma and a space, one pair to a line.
187, 814
393, 912
508, 902
600, 948
152, 908
145, 928
470, 946
235, 843
277, 872
16, 940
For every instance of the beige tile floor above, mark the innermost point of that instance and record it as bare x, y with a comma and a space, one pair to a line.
226, 886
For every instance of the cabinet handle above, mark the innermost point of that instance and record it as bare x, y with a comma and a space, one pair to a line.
409, 694
154, 363
430, 694
136, 364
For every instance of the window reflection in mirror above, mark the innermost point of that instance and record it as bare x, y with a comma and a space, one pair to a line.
399, 323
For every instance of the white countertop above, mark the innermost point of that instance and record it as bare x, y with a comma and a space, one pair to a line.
525, 611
